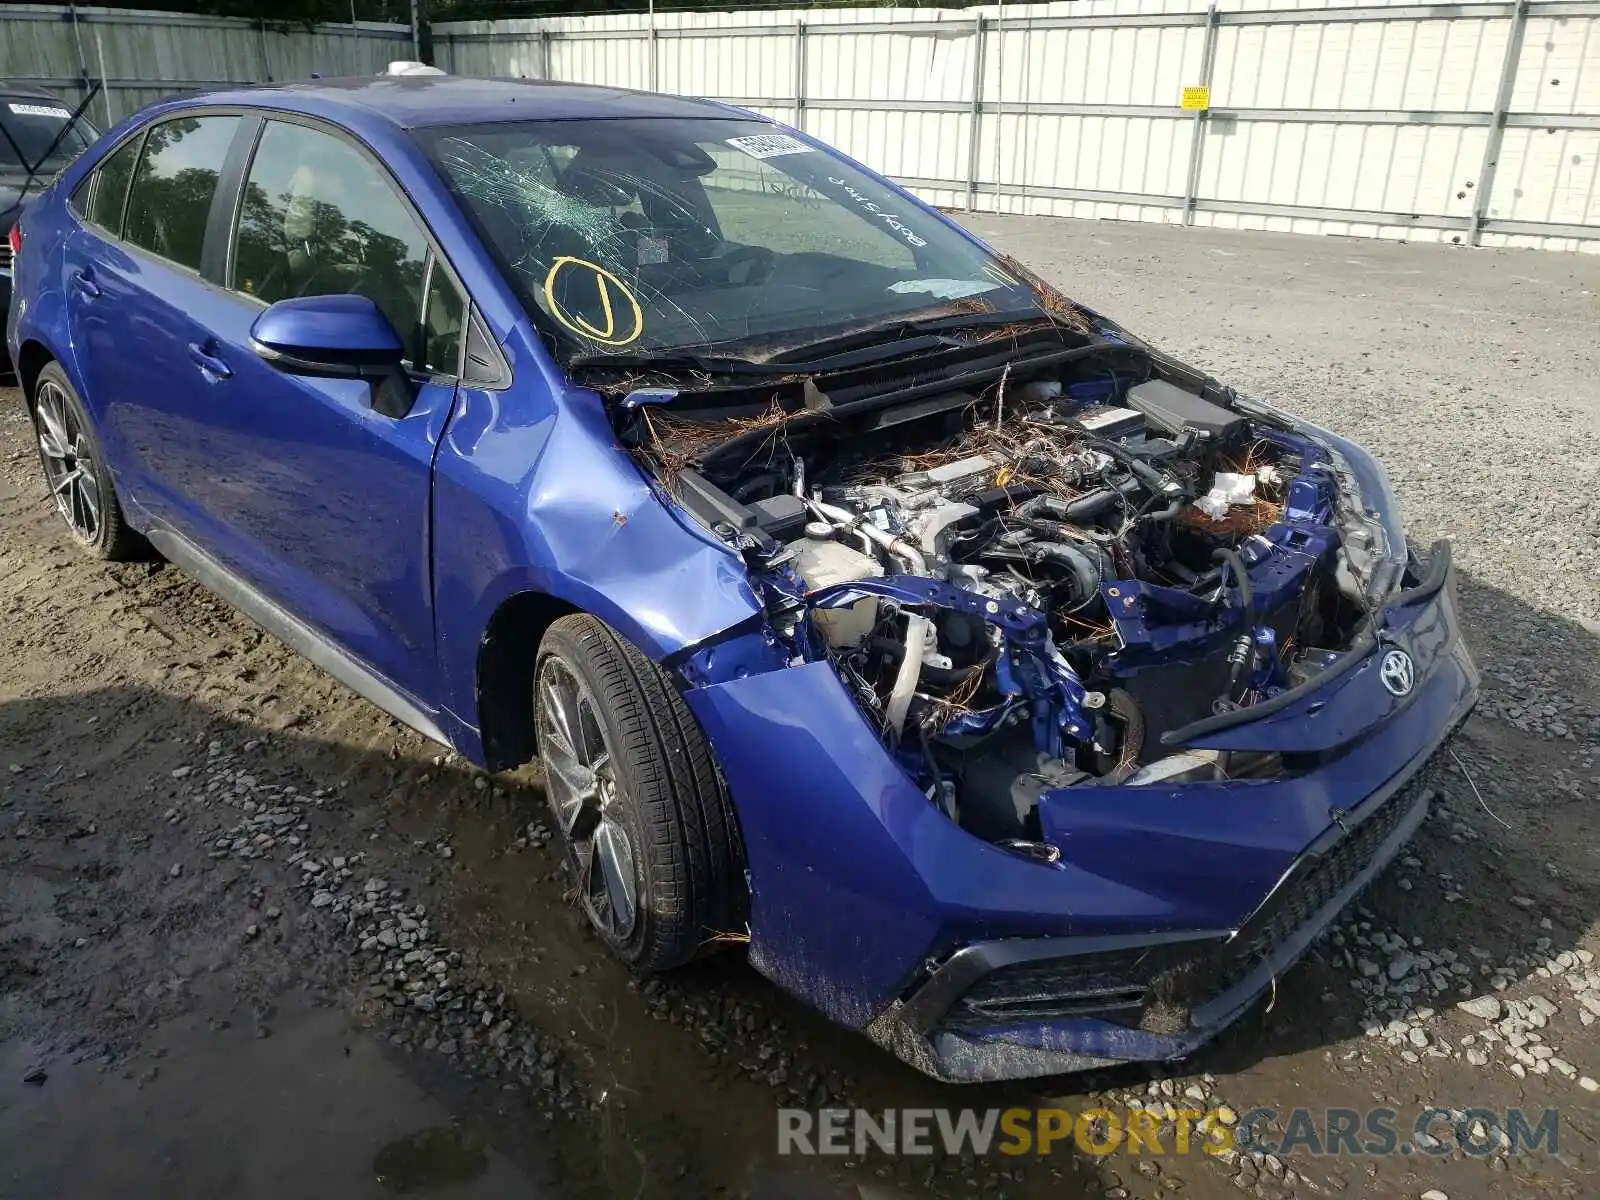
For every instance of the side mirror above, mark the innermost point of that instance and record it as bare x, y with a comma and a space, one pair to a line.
337, 337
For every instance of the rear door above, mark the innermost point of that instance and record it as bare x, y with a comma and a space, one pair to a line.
139, 306
322, 502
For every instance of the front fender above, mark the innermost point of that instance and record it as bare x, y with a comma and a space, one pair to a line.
532, 494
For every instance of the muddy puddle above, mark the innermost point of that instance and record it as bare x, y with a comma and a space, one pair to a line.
691, 1068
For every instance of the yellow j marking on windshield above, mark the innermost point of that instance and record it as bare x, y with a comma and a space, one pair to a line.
606, 287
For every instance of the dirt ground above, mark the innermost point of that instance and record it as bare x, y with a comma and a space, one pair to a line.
256, 939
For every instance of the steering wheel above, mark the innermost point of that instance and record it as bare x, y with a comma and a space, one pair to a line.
749, 264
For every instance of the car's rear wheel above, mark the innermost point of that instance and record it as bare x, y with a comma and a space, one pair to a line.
651, 844
76, 472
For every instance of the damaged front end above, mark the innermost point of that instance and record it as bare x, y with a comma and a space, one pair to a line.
1085, 692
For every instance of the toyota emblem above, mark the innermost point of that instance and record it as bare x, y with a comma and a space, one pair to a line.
1397, 673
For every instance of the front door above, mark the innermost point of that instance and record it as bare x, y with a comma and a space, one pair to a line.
327, 502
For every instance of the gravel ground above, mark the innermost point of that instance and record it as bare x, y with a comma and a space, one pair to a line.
205, 844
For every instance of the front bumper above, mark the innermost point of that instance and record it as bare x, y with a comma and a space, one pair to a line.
1018, 1008
1173, 906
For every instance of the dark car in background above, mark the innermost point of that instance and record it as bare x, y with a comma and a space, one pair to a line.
37, 138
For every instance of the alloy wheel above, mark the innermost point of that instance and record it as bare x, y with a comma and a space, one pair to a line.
581, 781
69, 466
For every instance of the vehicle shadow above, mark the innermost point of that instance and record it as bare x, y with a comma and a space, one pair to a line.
119, 924
689, 1070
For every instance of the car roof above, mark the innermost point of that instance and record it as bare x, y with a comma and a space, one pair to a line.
415, 101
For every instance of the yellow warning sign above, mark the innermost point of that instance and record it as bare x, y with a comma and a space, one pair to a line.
1197, 98
614, 328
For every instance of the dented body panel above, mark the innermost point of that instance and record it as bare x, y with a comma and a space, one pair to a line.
538, 498
857, 882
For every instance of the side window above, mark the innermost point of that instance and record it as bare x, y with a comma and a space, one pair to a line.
319, 218
174, 184
111, 190
444, 318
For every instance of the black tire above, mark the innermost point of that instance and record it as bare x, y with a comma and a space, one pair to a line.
666, 795
67, 443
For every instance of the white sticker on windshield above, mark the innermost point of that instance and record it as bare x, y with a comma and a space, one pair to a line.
769, 145
39, 110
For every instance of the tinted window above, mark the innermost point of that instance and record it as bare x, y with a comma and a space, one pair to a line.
444, 318
105, 207
174, 184
79, 201
320, 218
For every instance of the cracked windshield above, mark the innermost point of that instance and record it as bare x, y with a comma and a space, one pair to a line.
641, 236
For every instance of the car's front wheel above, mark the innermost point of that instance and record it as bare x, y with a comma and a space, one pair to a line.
75, 470
651, 842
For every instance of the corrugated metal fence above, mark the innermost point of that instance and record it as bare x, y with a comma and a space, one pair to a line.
1475, 122
143, 56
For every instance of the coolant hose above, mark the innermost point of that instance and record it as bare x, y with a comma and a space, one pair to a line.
905, 680
1243, 647
1156, 480
917, 627
1087, 508
1241, 577
1082, 511
1169, 513
896, 546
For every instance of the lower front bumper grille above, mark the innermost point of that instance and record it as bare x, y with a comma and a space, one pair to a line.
1157, 988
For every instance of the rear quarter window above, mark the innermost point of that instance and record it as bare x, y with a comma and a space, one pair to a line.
109, 192
78, 202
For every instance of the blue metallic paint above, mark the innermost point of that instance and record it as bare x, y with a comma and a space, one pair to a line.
1046, 1048
857, 880
887, 869
353, 559
345, 325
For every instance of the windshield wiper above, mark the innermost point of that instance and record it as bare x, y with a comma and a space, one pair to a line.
876, 351
677, 360
894, 339
902, 332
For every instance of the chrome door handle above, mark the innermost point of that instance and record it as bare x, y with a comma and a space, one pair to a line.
209, 363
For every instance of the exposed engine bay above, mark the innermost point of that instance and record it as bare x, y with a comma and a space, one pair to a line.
1040, 583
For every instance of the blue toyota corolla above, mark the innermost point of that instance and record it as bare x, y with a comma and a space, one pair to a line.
1025, 698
